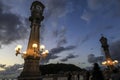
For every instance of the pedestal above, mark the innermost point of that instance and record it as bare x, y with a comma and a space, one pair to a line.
31, 70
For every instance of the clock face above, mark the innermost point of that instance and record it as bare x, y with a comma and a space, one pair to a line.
38, 8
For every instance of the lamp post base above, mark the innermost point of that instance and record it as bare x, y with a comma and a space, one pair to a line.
31, 70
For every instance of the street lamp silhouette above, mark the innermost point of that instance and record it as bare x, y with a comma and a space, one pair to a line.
109, 62
35, 51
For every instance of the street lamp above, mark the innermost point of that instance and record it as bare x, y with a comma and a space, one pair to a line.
42, 51
110, 62
34, 52
17, 49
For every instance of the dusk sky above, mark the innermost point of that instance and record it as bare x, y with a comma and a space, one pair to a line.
70, 30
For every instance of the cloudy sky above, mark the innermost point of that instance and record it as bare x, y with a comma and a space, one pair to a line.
70, 31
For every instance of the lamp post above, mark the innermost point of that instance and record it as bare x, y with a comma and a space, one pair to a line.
109, 62
34, 51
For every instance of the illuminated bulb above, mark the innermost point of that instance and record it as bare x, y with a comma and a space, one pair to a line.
46, 51
19, 47
115, 61
43, 53
104, 63
34, 45
42, 47
16, 49
108, 61
24, 52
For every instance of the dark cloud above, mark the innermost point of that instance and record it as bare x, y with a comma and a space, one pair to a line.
115, 50
70, 56
55, 33
61, 49
62, 37
2, 65
13, 68
11, 71
101, 8
3, 7
93, 33
64, 59
53, 53
49, 57
105, 7
56, 9
60, 8
60, 34
96, 4
93, 59
108, 27
11, 27
82, 63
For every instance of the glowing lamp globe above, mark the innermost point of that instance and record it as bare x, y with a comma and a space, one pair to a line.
19, 46
16, 49
34, 45
46, 51
42, 47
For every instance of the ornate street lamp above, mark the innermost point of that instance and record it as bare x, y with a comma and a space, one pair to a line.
109, 62
35, 52
42, 51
